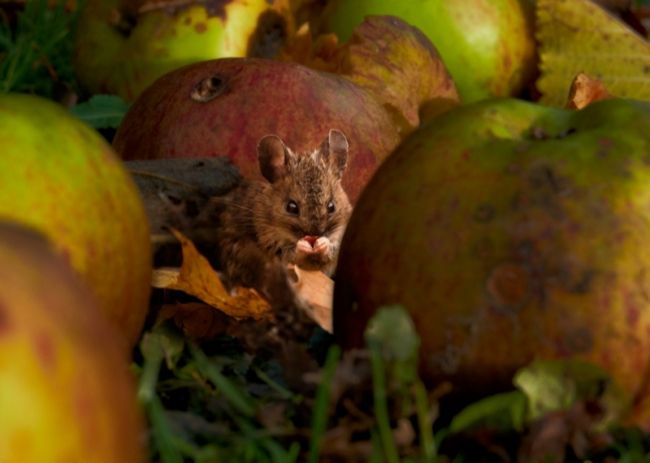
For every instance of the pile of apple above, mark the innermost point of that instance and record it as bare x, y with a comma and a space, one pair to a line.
74, 289
509, 230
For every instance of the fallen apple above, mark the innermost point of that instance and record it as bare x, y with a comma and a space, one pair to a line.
66, 392
123, 46
488, 46
511, 232
224, 107
59, 176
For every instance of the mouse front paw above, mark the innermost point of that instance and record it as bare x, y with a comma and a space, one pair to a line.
323, 246
314, 253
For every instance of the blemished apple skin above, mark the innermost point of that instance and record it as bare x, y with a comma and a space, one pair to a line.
246, 99
66, 389
510, 232
60, 176
121, 48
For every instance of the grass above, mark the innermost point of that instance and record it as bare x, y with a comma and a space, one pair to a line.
36, 50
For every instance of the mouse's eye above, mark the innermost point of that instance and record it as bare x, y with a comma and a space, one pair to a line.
331, 207
292, 207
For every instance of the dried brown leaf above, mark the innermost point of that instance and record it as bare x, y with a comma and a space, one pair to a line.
316, 289
197, 278
586, 90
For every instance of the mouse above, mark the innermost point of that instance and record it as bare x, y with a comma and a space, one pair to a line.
295, 214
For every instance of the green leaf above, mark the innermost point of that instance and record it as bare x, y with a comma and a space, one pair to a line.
102, 111
558, 384
500, 411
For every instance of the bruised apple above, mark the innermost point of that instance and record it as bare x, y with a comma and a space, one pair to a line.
59, 176
66, 392
511, 232
122, 46
224, 107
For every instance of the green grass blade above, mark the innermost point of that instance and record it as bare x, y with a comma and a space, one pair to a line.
226, 387
319, 418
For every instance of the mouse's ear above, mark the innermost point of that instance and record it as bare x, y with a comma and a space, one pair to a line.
272, 156
335, 147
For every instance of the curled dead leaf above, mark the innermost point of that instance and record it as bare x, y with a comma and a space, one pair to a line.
391, 59
197, 278
586, 90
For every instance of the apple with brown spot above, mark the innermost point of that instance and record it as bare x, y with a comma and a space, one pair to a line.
66, 390
224, 108
511, 232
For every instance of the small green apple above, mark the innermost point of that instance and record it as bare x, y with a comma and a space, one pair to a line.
511, 232
121, 47
488, 46
59, 176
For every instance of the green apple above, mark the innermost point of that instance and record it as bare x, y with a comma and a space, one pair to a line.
59, 176
121, 47
511, 232
488, 46
66, 391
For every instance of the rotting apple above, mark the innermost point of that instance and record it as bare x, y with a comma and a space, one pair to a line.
66, 392
122, 46
59, 176
488, 46
511, 232
378, 85
224, 107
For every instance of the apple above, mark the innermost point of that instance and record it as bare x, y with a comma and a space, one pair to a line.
59, 176
224, 107
122, 46
510, 232
488, 46
66, 392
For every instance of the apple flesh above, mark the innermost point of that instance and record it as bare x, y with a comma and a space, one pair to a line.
123, 46
488, 46
59, 176
224, 107
510, 232
66, 392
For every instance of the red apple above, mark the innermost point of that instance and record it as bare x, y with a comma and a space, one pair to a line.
224, 107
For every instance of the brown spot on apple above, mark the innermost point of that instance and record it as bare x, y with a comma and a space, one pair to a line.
200, 27
209, 88
578, 341
509, 286
45, 351
4, 320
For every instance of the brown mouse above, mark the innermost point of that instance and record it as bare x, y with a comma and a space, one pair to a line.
297, 214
